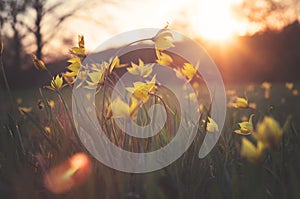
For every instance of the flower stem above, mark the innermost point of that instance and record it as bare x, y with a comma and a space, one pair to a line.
5, 79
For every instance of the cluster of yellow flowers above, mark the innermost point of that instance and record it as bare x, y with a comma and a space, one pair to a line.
290, 87
163, 42
267, 134
267, 87
241, 103
95, 75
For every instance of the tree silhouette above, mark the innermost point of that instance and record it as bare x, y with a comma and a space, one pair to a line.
269, 14
43, 10
10, 12
13, 13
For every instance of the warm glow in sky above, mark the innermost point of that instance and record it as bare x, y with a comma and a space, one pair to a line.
215, 20
209, 19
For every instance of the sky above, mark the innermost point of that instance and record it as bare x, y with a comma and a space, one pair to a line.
211, 20
193, 18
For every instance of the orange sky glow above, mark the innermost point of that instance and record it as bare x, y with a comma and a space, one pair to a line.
211, 20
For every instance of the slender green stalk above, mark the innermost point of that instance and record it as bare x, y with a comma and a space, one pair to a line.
4, 74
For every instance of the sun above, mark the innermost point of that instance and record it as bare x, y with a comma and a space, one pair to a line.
214, 20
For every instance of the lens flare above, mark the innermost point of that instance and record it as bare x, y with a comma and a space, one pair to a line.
69, 174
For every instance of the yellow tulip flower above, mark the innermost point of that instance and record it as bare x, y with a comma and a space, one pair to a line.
163, 40
141, 69
38, 64
122, 109
269, 132
250, 151
74, 66
56, 83
141, 90
266, 85
295, 92
240, 103
80, 50
246, 127
23, 109
81, 41
189, 70
289, 85
212, 126
77, 51
163, 58
115, 63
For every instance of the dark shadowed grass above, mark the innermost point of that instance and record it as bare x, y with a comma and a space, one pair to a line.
28, 151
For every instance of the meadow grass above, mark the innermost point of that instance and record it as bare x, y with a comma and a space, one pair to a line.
257, 155
28, 152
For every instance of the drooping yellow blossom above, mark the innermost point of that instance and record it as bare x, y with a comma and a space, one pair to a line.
239, 103
47, 129
96, 78
99, 72
163, 39
267, 86
212, 126
250, 151
96, 75
141, 69
115, 63
80, 50
81, 41
69, 77
56, 83
289, 85
246, 127
38, 64
51, 103
295, 92
122, 110
82, 77
269, 132
23, 109
163, 58
141, 90
189, 71
74, 66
